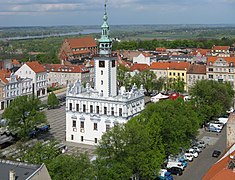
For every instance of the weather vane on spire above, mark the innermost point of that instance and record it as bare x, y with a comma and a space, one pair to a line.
105, 4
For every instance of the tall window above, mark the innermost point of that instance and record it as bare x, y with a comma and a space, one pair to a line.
101, 64
120, 111
102, 72
112, 111
70, 106
107, 127
105, 110
102, 82
97, 109
95, 127
71, 137
74, 123
96, 140
77, 107
82, 138
113, 63
84, 108
82, 124
91, 109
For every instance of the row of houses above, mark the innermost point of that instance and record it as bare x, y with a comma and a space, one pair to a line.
34, 78
217, 68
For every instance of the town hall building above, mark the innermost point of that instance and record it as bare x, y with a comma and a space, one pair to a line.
92, 111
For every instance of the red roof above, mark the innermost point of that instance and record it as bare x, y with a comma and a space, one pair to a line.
220, 170
221, 48
146, 54
196, 69
15, 62
82, 42
170, 65
203, 52
139, 67
66, 68
81, 52
161, 49
212, 59
175, 95
36, 66
5, 73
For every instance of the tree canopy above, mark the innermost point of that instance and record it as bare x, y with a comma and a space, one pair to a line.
22, 115
52, 100
212, 98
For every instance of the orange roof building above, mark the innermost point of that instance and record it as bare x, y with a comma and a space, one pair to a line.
224, 169
63, 75
35, 71
76, 49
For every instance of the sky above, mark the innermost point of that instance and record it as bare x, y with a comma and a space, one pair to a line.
120, 12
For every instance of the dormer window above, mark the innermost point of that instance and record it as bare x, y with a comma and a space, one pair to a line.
231, 64
210, 63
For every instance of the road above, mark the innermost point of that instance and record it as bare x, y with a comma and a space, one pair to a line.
202, 164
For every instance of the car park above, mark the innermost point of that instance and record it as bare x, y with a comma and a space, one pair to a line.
214, 129
175, 170
200, 144
216, 153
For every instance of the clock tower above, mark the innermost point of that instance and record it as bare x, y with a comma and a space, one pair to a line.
105, 64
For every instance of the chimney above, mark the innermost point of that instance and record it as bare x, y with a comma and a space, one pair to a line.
12, 175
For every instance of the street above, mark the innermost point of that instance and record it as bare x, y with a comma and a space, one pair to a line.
196, 169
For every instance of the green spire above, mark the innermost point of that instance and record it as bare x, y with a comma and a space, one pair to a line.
105, 43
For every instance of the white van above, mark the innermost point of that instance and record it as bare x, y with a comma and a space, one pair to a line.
175, 164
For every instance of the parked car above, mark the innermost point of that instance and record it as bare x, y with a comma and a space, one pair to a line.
193, 152
175, 164
188, 156
197, 149
200, 144
214, 129
216, 153
175, 170
164, 175
183, 161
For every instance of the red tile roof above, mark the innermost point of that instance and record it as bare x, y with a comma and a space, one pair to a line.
203, 52
170, 65
212, 59
220, 170
196, 69
221, 48
36, 66
160, 49
81, 42
5, 73
81, 52
66, 68
139, 67
146, 54
15, 62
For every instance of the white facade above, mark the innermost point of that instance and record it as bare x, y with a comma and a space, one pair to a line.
89, 115
142, 59
39, 79
16, 87
92, 111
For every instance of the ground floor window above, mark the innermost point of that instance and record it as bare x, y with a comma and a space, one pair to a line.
71, 137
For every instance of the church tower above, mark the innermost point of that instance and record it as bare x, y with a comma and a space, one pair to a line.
105, 64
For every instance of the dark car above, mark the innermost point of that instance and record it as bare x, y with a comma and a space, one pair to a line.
175, 170
216, 153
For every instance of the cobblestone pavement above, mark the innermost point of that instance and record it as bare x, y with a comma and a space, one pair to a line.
56, 118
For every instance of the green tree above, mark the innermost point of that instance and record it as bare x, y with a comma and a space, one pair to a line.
52, 100
130, 149
22, 115
39, 153
159, 84
178, 85
123, 76
212, 98
72, 167
178, 120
